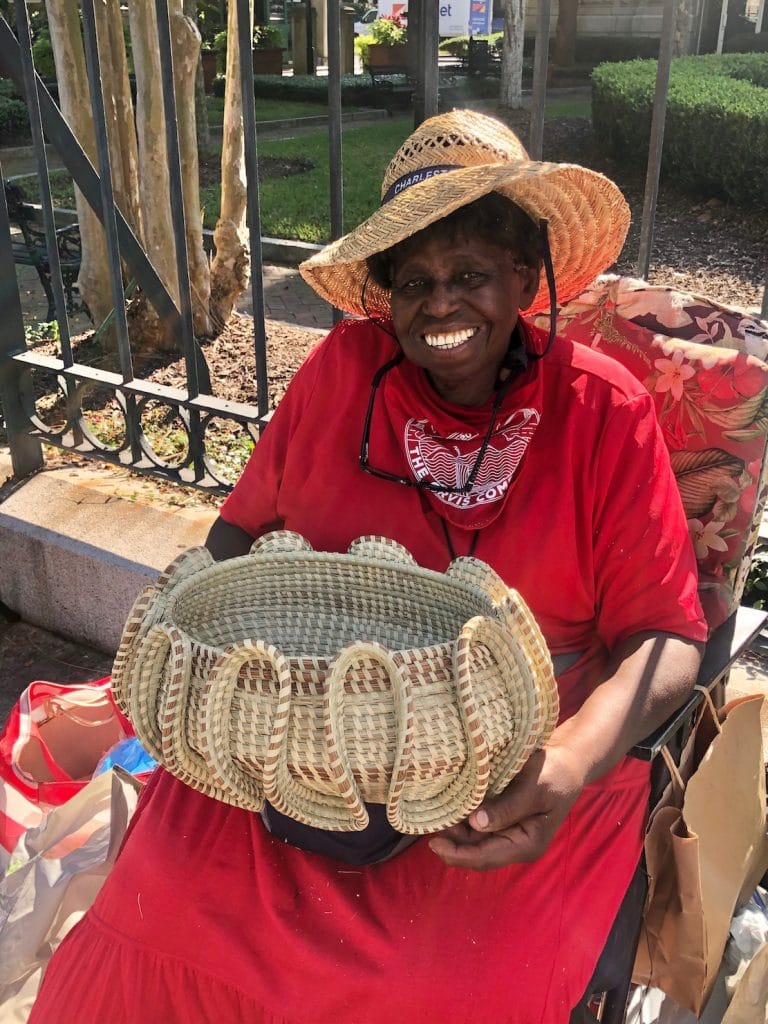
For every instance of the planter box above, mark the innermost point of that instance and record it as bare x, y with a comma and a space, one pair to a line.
381, 58
268, 62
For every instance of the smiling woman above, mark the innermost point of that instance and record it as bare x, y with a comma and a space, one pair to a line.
438, 416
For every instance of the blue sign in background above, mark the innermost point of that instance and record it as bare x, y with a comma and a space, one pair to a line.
480, 12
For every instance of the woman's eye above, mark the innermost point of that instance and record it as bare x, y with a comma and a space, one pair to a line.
415, 286
471, 277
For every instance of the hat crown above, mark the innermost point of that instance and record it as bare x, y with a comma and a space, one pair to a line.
461, 138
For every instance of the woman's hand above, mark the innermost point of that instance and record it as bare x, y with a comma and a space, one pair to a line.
518, 825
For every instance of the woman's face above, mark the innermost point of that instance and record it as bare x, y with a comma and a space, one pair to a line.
454, 306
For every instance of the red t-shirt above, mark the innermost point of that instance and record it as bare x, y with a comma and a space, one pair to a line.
578, 508
205, 916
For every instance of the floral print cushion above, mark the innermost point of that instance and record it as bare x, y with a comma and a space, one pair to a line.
704, 366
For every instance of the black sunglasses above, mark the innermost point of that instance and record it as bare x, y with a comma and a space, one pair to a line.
407, 481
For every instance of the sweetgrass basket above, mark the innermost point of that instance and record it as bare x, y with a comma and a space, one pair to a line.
321, 681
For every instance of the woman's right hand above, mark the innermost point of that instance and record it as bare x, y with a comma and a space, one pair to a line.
518, 825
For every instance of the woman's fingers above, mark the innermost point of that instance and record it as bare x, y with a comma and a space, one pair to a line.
517, 825
518, 844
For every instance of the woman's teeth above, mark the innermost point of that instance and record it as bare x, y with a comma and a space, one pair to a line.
449, 340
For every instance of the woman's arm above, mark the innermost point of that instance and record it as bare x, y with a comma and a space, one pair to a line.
649, 676
227, 541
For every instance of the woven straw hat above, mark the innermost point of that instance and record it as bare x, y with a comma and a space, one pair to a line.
448, 162
322, 681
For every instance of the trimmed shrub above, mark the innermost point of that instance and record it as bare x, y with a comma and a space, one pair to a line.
458, 46
42, 54
716, 131
13, 118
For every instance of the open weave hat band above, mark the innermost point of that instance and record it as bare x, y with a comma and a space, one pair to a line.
585, 212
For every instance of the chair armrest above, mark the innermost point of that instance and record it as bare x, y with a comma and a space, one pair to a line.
725, 645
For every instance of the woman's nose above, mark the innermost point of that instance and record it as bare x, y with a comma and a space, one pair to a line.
441, 300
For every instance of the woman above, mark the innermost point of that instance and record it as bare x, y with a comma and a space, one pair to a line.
442, 419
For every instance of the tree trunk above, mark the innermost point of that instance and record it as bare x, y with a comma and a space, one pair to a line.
69, 56
201, 110
154, 183
185, 40
118, 105
564, 50
230, 270
685, 28
512, 54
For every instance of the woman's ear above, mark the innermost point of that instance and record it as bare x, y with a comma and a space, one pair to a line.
530, 277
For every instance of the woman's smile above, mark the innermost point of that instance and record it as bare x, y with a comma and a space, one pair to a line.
449, 340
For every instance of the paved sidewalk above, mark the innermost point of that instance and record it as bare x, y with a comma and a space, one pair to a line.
289, 298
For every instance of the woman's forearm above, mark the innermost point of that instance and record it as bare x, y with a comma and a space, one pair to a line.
648, 677
227, 541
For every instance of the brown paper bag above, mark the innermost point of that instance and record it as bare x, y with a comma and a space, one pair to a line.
705, 845
750, 1000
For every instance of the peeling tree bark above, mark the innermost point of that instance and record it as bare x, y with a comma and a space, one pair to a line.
512, 54
154, 180
69, 56
118, 105
185, 39
230, 270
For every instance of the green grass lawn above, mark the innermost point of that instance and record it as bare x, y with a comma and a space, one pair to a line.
568, 108
298, 206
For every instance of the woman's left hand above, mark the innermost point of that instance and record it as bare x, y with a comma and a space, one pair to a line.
518, 825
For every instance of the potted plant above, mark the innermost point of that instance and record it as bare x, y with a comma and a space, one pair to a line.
267, 50
386, 44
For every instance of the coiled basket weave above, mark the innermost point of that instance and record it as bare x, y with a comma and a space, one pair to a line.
322, 681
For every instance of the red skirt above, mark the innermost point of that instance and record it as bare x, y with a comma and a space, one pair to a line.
205, 917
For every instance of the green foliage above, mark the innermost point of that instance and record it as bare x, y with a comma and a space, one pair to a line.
756, 588
356, 90
265, 37
209, 20
458, 46
716, 132
13, 118
42, 53
39, 331
389, 31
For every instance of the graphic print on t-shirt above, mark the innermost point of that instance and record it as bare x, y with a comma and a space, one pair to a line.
449, 460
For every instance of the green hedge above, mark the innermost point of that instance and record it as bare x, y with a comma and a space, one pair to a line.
356, 90
716, 131
458, 46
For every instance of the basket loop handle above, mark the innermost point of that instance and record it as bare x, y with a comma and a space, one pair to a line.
242, 789
278, 542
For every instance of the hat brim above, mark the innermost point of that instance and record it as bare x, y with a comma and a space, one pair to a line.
588, 220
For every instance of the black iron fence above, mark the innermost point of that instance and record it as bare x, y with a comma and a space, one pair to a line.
195, 408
